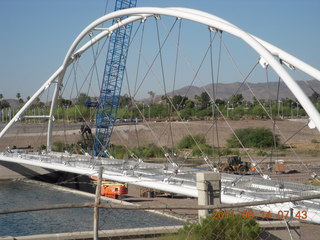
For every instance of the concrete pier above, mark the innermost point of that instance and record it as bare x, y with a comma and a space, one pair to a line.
209, 186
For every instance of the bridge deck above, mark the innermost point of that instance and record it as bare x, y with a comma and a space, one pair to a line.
235, 188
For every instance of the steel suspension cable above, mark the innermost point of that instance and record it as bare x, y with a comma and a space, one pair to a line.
196, 77
139, 58
144, 119
162, 71
214, 91
135, 86
274, 124
176, 109
272, 119
174, 83
154, 59
271, 114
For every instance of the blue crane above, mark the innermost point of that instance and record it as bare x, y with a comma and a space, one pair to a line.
114, 70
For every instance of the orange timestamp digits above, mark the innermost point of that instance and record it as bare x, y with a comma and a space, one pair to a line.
250, 214
299, 214
222, 214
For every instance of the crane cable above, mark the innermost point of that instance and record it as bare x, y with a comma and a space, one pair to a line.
173, 84
135, 86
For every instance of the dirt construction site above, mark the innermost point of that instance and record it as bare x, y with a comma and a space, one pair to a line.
294, 133
301, 155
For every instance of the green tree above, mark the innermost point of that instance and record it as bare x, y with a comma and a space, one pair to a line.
204, 112
202, 148
236, 99
61, 147
179, 102
118, 151
158, 110
125, 100
189, 141
83, 98
315, 97
189, 103
258, 111
287, 101
253, 137
219, 101
151, 150
152, 95
239, 111
186, 113
203, 101
63, 102
4, 104
20, 100
255, 101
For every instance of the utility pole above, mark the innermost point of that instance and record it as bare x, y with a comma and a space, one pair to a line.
96, 208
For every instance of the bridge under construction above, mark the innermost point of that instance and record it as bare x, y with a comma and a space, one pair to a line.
234, 188
168, 177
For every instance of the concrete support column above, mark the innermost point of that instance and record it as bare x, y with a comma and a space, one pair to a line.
209, 186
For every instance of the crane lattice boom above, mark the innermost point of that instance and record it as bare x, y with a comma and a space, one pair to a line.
112, 80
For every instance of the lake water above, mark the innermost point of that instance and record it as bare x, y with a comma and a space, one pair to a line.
18, 194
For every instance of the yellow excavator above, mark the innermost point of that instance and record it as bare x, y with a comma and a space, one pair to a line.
234, 164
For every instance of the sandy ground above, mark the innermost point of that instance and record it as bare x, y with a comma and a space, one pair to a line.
308, 231
134, 194
163, 133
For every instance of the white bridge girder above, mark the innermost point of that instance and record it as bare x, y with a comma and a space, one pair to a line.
152, 176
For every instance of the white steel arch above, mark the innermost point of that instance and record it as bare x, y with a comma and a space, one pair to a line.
281, 54
264, 49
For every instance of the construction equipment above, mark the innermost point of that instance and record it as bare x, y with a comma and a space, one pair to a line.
108, 103
279, 166
152, 193
111, 189
234, 165
86, 134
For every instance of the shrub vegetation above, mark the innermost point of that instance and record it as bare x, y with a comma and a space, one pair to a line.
231, 227
253, 138
189, 141
148, 151
59, 146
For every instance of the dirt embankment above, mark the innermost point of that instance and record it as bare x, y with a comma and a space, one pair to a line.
163, 133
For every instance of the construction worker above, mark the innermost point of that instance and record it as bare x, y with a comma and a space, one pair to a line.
253, 169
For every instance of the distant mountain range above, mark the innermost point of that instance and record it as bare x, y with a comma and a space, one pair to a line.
260, 90
226, 90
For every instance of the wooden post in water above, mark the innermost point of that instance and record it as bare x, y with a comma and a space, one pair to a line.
96, 208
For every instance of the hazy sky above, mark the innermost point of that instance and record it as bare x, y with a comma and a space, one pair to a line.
35, 34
